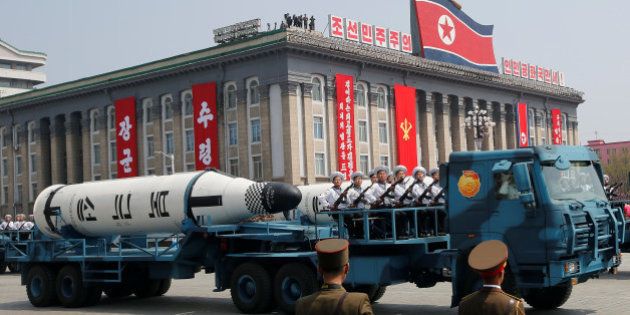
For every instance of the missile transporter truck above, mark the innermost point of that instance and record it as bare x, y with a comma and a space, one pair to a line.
132, 236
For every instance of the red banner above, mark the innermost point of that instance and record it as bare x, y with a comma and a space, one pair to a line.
345, 124
556, 123
523, 127
405, 98
206, 128
126, 145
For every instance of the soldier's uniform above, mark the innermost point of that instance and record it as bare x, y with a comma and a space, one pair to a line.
332, 298
330, 196
379, 189
489, 258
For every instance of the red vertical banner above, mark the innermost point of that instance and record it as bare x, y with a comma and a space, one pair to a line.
556, 123
405, 98
345, 124
523, 126
126, 140
205, 125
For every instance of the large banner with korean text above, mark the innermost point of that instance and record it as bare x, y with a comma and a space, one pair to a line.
556, 124
405, 98
206, 128
126, 140
523, 126
345, 124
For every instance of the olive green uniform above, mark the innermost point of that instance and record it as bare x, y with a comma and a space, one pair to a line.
491, 301
329, 301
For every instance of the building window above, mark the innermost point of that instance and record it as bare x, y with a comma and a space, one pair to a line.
169, 147
257, 167
5, 167
531, 119
382, 133
31, 132
3, 143
94, 121
167, 107
361, 95
33, 163
112, 152
33, 192
150, 146
362, 131
316, 90
320, 164
19, 194
234, 167
233, 133
111, 118
5, 194
96, 154
381, 98
385, 161
254, 93
364, 164
147, 105
187, 104
18, 165
255, 130
190, 140
543, 128
230, 96
190, 167
318, 127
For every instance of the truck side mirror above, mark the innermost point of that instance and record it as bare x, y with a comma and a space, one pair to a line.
524, 184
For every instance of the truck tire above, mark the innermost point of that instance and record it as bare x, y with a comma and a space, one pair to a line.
378, 294
549, 298
147, 288
165, 285
250, 288
40, 286
70, 288
292, 282
118, 291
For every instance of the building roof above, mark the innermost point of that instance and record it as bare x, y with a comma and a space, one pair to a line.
295, 40
23, 52
602, 143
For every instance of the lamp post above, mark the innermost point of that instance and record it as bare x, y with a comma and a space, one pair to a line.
171, 157
479, 123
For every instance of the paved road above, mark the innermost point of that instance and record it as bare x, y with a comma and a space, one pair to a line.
607, 295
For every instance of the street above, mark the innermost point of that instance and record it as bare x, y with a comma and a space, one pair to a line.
195, 296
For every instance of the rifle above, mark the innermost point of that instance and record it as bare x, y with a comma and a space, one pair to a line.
360, 197
425, 192
408, 191
340, 198
437, 197
389, 190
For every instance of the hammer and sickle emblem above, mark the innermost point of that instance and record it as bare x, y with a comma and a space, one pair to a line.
405, 126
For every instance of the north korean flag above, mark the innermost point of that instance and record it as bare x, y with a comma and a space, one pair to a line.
448, 34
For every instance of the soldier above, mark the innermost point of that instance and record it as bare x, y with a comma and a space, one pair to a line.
437, 198
330, 197
356, 199
19, 222
378, 197
372, 175
8, 224
419, 196
402, 183
311, 25
489, 259
333, 264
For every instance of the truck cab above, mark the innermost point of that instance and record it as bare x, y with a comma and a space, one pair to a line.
547, 204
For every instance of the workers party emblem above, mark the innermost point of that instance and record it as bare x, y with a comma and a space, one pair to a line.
469, 184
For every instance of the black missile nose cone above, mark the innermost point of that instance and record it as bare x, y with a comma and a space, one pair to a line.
279, 197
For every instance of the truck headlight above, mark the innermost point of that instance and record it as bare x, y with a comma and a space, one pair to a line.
571, 267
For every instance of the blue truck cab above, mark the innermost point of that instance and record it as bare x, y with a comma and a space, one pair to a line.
547, 204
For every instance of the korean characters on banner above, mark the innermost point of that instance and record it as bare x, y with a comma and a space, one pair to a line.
523, 126
556, 123
532, 72
345, 124
126, 130
205, 125
405, 98
373, 35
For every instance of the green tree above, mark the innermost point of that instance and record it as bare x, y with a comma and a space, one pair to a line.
619, 168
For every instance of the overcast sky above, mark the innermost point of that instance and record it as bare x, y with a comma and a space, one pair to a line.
585, 39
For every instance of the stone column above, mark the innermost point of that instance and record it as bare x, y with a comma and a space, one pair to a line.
469, 104
43, 154
265, 132
443, 128
178, 134
458, 132
427, 132
291, 135
309, 150
510, 119
576, 134
26, 172
500, 132
488, 140
158, 141
243, 131
58, 150
73, 148
86, 145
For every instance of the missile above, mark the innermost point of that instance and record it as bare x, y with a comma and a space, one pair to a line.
156, 204
310, 204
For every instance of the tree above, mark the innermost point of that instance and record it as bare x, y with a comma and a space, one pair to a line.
619, 169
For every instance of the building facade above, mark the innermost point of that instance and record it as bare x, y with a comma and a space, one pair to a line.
609, 151
276, 113
16, 69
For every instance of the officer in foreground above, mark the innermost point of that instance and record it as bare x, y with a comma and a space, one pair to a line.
333, 264
489, 259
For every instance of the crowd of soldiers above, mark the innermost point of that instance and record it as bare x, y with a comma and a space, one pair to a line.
20, 223
387, 191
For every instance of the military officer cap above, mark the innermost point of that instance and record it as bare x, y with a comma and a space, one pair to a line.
381, 168
419, 169
400, 168
332, 253
433, 171
488, 258
356, 174
336, 174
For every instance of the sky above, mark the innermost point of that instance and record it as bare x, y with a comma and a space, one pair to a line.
587, 40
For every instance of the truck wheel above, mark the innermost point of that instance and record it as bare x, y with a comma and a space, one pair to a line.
147, 288
250, 288
378, 294
292, 282
3, 267
40, 286
549, 298
118, 291
70, 288
165, 285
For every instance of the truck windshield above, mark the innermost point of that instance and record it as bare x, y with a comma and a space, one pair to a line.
580, 182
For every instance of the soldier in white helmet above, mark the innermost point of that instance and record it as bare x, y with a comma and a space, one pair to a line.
401, 183
8, 224
334, 198
420, 192
380, 196
356, 200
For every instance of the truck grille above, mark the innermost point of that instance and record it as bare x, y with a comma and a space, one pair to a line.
585, 227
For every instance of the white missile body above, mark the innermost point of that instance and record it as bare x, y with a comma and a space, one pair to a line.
156, 204
311, 205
